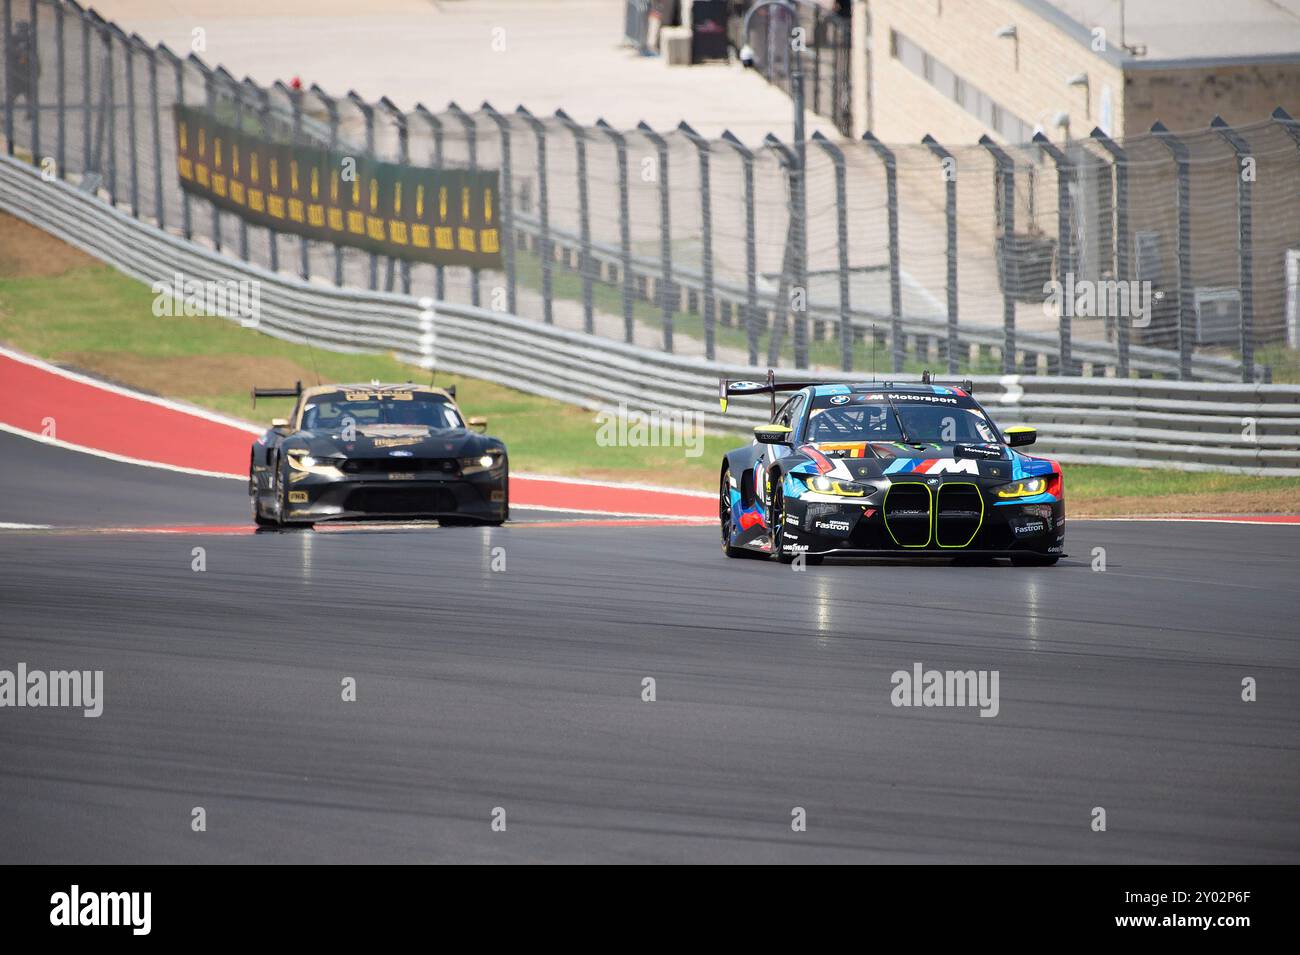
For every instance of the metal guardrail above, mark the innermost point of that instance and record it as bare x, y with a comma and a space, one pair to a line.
1187, 426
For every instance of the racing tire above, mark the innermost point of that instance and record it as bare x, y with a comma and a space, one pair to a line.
724, 516
259, 518
1033, 560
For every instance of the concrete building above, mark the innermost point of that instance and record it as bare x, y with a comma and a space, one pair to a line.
958, 69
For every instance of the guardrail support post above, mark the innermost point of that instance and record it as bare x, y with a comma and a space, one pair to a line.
108, 121
1006, 178
263, 118
948, 165
1120, 165
128, 50
624, 229
708, 304
1245, 246
666, 295
86, 120
1064, 246
155, 119
368, 115
842, 245
178, 69
332, 108
210, 95
435, 126
304, 244
584, 218
507, 207
895, 265
544, 250
1183, 245
751, 246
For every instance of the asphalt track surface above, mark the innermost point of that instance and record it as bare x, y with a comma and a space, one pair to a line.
522, 689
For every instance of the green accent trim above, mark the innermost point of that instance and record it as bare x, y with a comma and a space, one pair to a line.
936, 514
884, 512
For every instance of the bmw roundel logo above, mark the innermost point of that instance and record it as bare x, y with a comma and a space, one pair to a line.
399, 454
840, 400
932, 481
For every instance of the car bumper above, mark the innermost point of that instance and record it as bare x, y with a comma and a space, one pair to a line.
481, 497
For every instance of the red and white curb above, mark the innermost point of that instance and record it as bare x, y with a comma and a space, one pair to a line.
68, 410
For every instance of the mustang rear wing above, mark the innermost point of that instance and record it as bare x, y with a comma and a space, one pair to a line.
293, 392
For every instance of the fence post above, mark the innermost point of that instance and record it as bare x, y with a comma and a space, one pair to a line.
368, 115
178, 68
506, 205
842, 242
1245, 247
584, 218
471, 148
895, 264
435, 126
108, 121
949, 166
624, 228
332, 108
1005, 176
543, 212
86, 120
404, 157
666, 294
9, 87
210, 98
708, 303
155, 122
273, 246
128, 50
1183, 244
789, 257
60, 148
1120, 165
1064, 247
751, 245
304, 244
33, 81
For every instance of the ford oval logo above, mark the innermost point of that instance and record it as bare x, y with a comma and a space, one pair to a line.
399, 454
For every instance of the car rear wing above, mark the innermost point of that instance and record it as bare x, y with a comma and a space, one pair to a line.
729, 389
965, 384
293, 392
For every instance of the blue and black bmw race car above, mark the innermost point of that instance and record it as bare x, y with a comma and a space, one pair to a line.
887, 469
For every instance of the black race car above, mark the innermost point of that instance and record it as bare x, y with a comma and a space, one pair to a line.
376, 451
887, 469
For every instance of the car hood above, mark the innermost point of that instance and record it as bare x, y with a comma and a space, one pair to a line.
378, 441
899, 460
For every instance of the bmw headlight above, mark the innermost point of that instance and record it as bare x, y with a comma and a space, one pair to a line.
824, 485
1026, 488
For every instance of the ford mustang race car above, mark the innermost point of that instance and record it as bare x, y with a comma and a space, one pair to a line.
376, 451
887, 469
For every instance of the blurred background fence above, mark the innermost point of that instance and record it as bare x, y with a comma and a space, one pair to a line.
931, 254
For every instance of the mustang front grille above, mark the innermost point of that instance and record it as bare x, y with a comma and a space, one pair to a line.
386, 465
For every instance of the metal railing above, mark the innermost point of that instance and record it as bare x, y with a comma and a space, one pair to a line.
925, 255
1240, 428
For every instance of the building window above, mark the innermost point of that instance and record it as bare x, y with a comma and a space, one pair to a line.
951, 86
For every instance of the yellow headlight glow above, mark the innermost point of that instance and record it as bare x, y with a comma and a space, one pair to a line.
1026, 488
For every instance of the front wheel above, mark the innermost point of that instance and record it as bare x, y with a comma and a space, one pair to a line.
256, 498
724, 515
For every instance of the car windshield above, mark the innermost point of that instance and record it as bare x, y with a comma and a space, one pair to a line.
872, 417
362, 409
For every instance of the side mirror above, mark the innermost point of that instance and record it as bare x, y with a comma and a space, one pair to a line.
279, 422
478, 424
772, 434
1020, 435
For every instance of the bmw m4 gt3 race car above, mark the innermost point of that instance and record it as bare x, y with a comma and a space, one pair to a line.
376, 451
887, 469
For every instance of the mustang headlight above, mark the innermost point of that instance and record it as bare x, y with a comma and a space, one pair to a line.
481, 462
1026, 488
824, 485
302, 461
